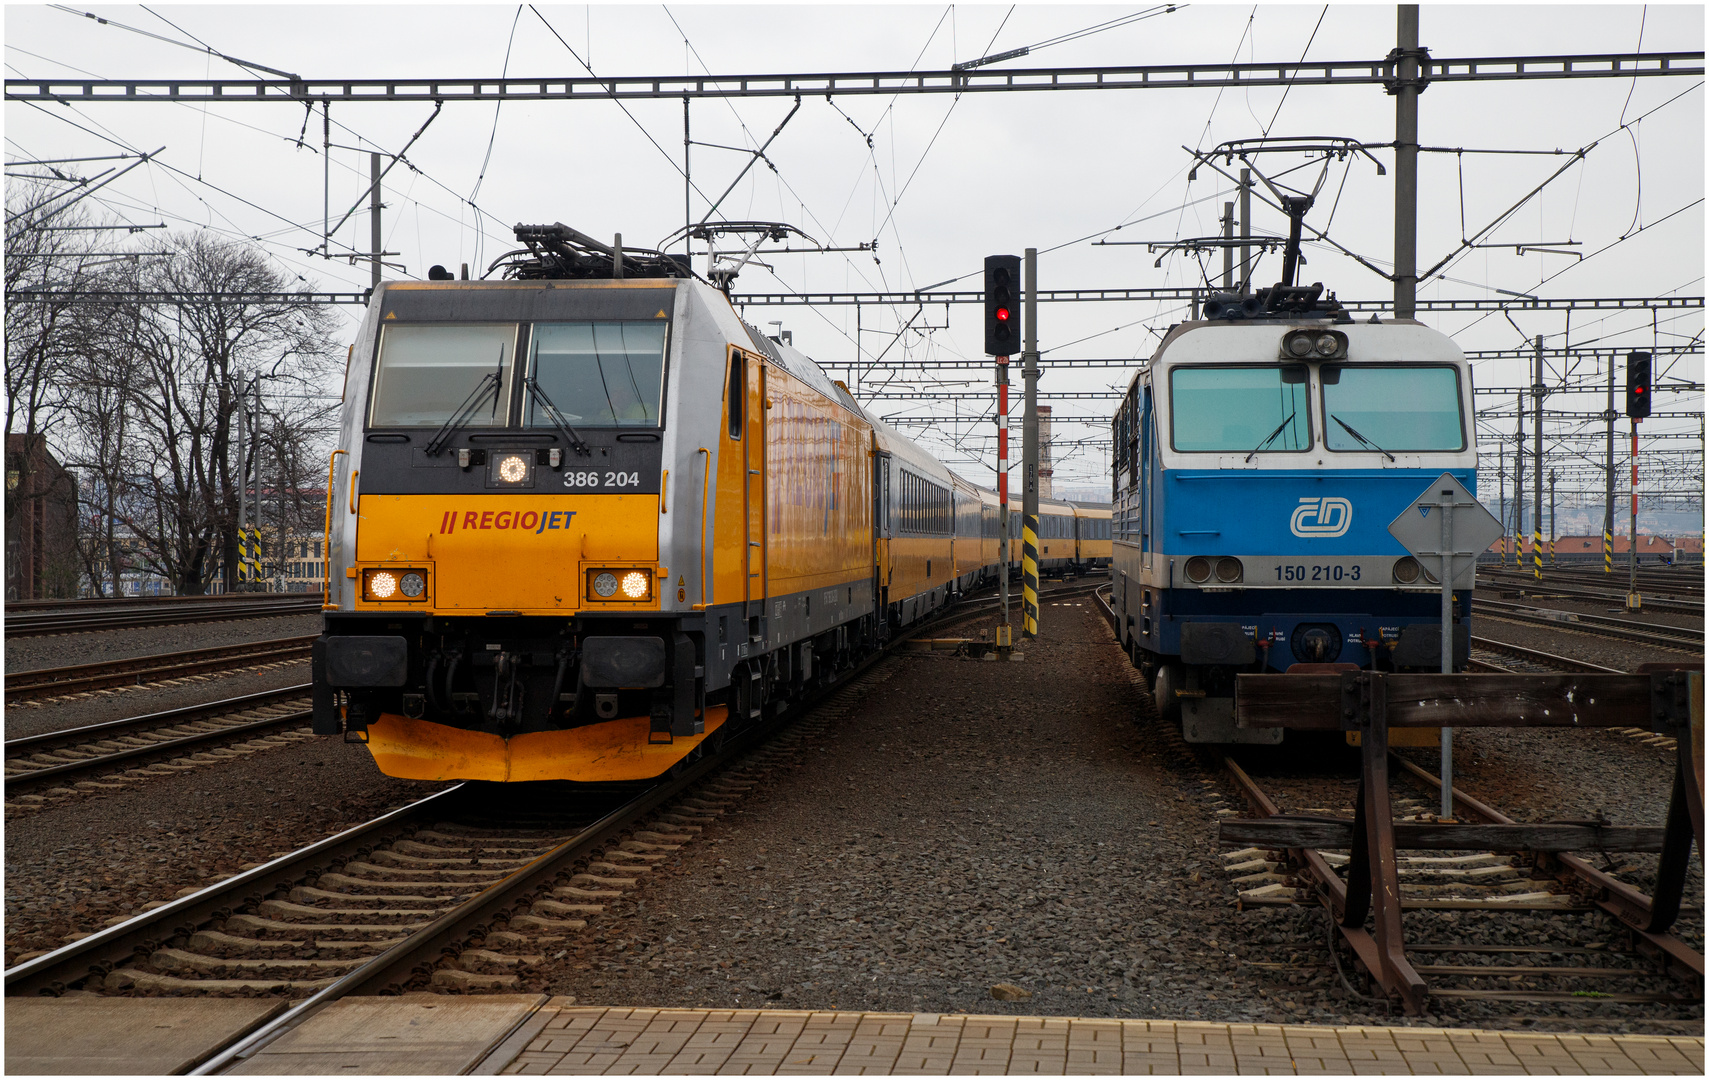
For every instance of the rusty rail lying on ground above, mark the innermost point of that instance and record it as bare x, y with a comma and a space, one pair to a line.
1664, 698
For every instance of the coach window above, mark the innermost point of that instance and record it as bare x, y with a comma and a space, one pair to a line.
425, 373
598, 374
1409, 407
734, 394
1239, 409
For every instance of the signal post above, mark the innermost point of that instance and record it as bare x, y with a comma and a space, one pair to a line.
1639, 369
1029, 457
1001, 337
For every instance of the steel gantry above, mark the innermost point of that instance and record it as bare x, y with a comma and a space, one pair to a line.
1380, 72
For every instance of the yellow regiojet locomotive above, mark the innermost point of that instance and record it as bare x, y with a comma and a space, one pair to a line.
583, 519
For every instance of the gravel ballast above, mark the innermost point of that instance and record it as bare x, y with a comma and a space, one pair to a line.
976, 827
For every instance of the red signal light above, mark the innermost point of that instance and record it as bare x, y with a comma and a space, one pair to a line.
1002, 314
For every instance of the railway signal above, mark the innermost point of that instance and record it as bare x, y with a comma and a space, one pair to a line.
1002, 305
1638, 389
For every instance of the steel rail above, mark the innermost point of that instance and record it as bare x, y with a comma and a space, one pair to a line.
110, 603
1380, 72
56, 682
65, 622
1678, 637
1611, 895
1686, 599
187, 714
1564, 662
403, 961
166, 746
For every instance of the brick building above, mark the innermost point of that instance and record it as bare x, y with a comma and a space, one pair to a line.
41, 522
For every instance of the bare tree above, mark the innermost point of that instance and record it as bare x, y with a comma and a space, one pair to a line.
189, 356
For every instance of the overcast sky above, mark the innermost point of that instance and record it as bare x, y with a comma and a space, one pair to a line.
938, 182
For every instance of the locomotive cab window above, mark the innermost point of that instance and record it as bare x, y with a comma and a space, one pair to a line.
598, 374
1408, 407
1240, 409
426, 373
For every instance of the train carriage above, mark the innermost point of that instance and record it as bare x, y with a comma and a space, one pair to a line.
1091, 536
1259, 460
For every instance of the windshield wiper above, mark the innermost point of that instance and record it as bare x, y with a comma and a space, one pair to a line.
1272, 436
569, 433
490, 383
1360, 437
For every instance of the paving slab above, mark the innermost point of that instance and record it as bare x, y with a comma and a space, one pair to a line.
412, 1034
116, 1036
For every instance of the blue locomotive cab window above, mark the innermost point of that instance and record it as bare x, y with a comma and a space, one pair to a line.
1258, 409
598, 374
425, 374
1409, 408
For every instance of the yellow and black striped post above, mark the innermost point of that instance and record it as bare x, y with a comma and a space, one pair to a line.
242, 556
1607, 551
1536, 552
1029, 575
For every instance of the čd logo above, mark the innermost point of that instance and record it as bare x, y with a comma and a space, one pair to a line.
1326, 517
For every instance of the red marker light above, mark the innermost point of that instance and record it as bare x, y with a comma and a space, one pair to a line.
1002, 314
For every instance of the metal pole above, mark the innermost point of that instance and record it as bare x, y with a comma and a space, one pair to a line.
1608, 474
255, 459
1406, 164
374, 215
1633, 600
1228, 249
1519, 486
1245, 230
1501, 491
1553, 533
1004, 635
1029, 452
687, 185
326, 178
1447, 659
1537, 465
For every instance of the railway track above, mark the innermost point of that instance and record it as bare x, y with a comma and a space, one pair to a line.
457, 891
81, 678
1683, 598
156, 744
34, 618
1554, 886
1632, 630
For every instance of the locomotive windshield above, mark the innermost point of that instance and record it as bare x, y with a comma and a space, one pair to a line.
1408, 408
1244, 409
603, 374
426, 372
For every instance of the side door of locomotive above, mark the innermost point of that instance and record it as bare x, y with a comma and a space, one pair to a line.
754, 487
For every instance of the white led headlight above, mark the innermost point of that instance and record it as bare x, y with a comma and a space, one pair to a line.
513, 470
635, 584
383, 585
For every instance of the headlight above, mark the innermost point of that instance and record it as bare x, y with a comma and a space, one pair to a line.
1229, 570
513, 470
1299, 345
1198, 569
1327, 345
1406, 570
394, 585
620, 583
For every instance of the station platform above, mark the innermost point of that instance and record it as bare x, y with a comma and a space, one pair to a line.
533, 1034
